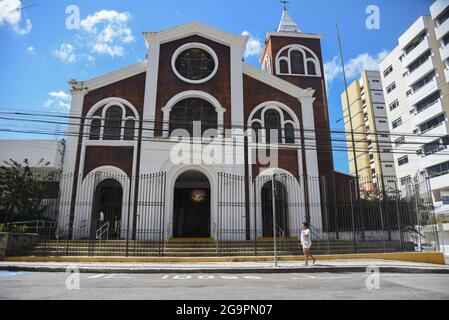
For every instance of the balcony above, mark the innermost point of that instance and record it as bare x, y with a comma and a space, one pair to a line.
435, 158
424, 91
444, 52
428, 113
430, 135
416, 53
415, 29
442, 30
440, 182
423, 70
437, 8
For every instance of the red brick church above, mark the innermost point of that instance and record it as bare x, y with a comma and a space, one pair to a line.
124, 147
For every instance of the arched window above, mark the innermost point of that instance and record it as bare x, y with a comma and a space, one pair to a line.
297, 62
281, 202
257, 131
311, 69
289, 133
130, 127
188, 111
273, 125
113, 124
95, 128
283, 66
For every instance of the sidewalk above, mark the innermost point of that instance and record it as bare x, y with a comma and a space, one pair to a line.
334, 266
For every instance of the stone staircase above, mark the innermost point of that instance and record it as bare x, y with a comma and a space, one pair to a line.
205, 248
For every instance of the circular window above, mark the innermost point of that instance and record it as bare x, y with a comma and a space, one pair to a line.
195, 63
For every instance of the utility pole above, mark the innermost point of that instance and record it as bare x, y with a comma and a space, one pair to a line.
273, 200
350, 115
357, 179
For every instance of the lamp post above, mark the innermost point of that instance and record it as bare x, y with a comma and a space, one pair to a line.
273, 200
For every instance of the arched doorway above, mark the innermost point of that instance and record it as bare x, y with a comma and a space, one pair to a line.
192, 206
108, 200
281, 209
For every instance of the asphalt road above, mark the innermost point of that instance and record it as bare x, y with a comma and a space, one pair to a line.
223, 287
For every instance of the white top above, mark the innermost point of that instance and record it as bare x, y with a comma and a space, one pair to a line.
305, 237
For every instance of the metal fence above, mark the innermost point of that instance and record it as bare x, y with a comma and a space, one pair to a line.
112, 215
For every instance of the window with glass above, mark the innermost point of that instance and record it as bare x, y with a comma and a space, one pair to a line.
394, 105
95, 129
397, 123
429, 125
129, 132
289, 133
195, 64
113, 124
421, 83
273, 126
188, 111
403, 161
257, 132
429, 101
391, 87
388, 71
438, 170
297, 62
422, 59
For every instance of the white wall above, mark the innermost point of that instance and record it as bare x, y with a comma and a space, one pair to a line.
33, 150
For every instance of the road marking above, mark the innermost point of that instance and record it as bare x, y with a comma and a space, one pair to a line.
307, 277
110, 276
13, 274
208, 277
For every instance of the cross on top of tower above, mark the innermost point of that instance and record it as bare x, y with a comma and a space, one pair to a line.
287, 23
284, 2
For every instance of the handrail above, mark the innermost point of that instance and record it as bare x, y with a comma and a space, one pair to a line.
58, 235
282, 233
166, 236
102, 230
215, 233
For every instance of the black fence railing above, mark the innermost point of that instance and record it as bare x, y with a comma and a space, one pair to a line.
104, 214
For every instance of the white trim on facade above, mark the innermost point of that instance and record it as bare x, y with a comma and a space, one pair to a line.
192, 94
116, 76
303, 50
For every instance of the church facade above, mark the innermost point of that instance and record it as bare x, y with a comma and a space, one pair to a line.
187, 143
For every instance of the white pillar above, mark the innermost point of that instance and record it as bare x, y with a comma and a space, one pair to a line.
312, 172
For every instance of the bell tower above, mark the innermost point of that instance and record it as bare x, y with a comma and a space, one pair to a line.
296, 57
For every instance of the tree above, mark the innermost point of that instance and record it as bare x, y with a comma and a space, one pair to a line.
21, 190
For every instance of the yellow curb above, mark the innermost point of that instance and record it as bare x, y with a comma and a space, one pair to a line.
422, 257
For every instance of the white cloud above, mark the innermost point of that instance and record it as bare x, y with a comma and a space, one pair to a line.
108, 32
58, 99
11, 14
67, 53
354, 67
31, 50
253, 46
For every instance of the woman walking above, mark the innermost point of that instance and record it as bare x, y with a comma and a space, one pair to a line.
306, 242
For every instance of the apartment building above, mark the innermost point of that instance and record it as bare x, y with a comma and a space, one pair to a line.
415, 84
371, 130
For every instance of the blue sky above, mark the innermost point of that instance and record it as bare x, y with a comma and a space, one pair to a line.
39, 54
